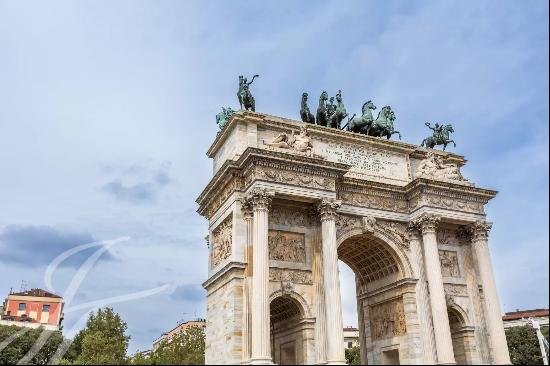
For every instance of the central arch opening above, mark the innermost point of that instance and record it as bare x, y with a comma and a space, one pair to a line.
373, 265
287, 338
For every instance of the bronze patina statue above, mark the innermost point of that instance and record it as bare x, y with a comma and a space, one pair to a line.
322, 113
305, 113
337, 112
245, 97
383, 125
440, 136
223, 117
362, 124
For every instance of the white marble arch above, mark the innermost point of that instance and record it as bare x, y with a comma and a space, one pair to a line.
302, 302
400, 254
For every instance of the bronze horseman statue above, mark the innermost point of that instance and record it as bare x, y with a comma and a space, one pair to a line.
440, 136
305, 113
245, 97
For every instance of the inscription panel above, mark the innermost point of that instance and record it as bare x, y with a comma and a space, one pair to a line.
366, 162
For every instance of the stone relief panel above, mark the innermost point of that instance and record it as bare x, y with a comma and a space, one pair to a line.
433, 167
287, 246
449, 263
447, 202
447, 237
452, 289
290, 216
387, 319
289, 275
221, 241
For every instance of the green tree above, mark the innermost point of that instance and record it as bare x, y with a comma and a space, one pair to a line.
102, 342
353, 355
22, 344
523, 345
185, 348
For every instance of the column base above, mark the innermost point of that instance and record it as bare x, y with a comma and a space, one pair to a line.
261, 361
338, 362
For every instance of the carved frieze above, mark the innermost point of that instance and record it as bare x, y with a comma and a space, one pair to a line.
290, 275
221, 242
387, 319
449, 263
395, 230
287, 246
450, 202
368, 200
295, 178
452, 289
347, 223
290, 216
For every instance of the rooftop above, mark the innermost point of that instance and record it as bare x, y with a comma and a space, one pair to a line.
519, 314
36, 292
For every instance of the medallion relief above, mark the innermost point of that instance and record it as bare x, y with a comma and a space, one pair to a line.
387, 319
221, 241
287, 246
449, 263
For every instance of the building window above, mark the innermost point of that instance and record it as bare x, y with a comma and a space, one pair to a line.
45, 308
22, 306
350, 344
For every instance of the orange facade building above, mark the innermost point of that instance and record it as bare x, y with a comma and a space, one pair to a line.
33, 307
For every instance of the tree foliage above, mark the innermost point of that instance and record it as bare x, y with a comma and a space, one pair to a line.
185, 348
353, 355
524, 346
102, 342
20, 345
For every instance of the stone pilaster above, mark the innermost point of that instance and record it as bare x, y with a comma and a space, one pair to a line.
499, 347
442, 331
248, 215
423, 305
261, 347
333, 302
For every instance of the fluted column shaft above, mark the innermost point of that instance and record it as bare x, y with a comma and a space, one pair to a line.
261, 348
248, 217
423, 305
493, 315
333, 302
442, 331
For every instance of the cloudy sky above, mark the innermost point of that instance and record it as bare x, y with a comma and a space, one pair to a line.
107, 110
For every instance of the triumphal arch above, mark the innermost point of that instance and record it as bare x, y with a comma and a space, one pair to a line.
288, 200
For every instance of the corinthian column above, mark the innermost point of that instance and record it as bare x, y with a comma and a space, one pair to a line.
248, 218
480, 232
333, 301
422, 304
261, 352
442, 331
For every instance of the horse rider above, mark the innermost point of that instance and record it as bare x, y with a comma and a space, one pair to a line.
243, 87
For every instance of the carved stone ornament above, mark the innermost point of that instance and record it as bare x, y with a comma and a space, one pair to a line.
300, 143
455, 289
374, 201
387, 319
368, 224
327, 209
296, 178
397, 231
286, 246
292, 276
259, 199
447, 237
433, 167
291, 216
221, 242
480, 230
449, 263
427, 223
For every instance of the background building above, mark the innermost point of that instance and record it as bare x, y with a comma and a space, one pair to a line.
351, 337
167, 336
519, 318
33, 308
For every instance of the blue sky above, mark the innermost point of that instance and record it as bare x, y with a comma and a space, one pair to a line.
107, 110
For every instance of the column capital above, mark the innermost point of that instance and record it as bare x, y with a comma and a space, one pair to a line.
413, 232
247, 207
479, 230
327, 209
427, 223
258, 199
